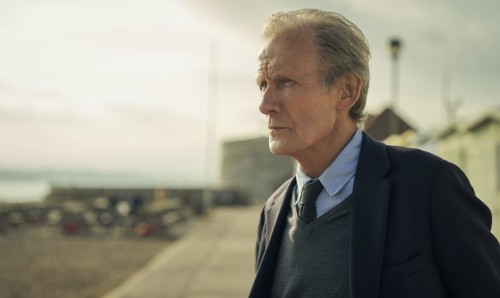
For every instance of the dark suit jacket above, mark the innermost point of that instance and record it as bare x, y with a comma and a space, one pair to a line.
417, 230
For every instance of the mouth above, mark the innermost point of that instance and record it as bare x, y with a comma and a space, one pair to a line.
276, 130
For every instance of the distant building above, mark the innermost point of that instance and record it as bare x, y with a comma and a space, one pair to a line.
475, 148
405, 139
249, 166
385, 124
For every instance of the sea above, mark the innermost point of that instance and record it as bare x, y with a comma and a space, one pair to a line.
24, 190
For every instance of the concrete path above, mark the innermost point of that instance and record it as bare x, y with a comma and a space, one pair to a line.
215, 259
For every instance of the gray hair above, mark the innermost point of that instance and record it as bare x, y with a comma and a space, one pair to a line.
341, 45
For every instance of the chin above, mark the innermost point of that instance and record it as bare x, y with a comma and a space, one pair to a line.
279, 147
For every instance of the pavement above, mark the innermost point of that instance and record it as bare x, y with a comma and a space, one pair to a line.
215, 259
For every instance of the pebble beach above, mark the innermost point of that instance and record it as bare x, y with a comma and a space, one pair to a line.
70, 266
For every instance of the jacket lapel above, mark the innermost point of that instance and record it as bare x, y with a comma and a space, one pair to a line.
370, 200
276, 218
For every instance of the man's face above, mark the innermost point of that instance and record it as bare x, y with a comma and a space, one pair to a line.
301, 115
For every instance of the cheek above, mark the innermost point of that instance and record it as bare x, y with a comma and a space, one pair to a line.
318, 122
311, 113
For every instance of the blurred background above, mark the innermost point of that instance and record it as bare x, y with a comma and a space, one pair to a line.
155, 102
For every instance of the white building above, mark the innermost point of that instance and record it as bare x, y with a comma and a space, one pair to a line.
475, 148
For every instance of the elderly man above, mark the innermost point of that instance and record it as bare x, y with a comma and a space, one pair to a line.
359, 219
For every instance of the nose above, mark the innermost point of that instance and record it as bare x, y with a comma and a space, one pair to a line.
270, 102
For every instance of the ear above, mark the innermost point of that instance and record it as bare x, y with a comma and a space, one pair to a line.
350, 90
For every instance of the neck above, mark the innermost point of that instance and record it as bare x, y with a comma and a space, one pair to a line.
316, 160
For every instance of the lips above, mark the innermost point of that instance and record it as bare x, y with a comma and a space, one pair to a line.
276, 126
275, 131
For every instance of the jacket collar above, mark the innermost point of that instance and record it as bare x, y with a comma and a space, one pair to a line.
370, 200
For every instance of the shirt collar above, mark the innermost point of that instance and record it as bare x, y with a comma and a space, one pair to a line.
340, 171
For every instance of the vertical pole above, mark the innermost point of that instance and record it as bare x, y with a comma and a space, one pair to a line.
395, 81
210, 129
394, 47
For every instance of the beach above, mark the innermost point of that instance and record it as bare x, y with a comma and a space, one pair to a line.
70, 266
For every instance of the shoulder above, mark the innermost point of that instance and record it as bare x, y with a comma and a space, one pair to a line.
406, 153
377, 157
416, 159
405, 165
426, 169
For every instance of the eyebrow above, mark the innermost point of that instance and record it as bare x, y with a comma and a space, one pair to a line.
277, 77
262, 55
260, 73
258, 79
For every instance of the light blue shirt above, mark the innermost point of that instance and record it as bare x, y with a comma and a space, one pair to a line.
337, 179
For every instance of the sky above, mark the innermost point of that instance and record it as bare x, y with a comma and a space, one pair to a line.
125, 86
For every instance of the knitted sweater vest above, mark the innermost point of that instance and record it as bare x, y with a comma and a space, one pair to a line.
314, 258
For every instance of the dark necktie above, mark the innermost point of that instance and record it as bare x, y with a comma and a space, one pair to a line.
308, 200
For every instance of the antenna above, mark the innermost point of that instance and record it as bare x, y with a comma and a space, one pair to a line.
450, 106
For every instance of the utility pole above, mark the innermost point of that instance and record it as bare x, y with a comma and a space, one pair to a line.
210, 128
395, 45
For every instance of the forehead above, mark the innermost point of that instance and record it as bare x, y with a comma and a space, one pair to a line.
292, 52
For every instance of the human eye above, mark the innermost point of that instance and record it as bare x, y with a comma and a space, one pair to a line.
262, 85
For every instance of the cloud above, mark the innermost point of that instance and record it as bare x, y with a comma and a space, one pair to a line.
23, 106
117, 84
